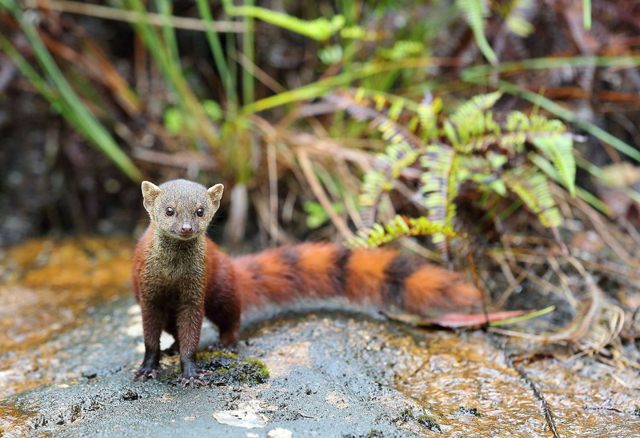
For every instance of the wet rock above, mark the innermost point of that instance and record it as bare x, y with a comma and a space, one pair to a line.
241, 418
330, 374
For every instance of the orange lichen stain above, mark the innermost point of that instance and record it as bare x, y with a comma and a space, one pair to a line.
13, 420
47, 286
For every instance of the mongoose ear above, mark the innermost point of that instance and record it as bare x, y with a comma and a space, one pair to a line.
215, 193
150, 192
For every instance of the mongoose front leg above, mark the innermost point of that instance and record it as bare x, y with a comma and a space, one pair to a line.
189, 324
152, 321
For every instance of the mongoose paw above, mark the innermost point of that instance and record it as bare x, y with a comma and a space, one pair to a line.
219, 346
168, 352
145, 373
194, 380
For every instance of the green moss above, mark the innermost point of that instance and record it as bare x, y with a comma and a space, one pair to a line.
373, 434
205, 356
262, 370
428, 422
223, 368
407, 415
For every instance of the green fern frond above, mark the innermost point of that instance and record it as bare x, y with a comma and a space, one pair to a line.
439, 188
514, 13
559, 148
399, 226
388, 167
474, 108
404, 49
532, 187
475, 12
359, 106
471, 120
471, 146
428, 112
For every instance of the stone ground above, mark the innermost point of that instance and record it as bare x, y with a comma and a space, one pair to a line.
73, 339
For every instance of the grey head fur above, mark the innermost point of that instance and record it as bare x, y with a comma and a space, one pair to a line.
181, 209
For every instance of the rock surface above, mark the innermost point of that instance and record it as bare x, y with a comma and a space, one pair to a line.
73, 339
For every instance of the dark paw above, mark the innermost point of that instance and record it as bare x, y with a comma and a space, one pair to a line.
168, 352
145, 373
219, 346
193, 380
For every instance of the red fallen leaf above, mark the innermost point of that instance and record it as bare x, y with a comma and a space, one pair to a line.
456, 320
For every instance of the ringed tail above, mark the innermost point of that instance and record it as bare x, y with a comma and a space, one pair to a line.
381, 277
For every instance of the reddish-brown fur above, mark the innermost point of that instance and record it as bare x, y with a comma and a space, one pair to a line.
249, 282
180, 276
428, 287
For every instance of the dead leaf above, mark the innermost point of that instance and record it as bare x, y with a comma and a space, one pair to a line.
455, 320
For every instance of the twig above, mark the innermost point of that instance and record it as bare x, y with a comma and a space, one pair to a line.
564, 280
548, 415
318, 191
273, 191
507, 293
178, 159
544, 284
415, 247
154, 19
476, 281
508, 253
580, 324
603, 231
259, 74
303, 415
262, 210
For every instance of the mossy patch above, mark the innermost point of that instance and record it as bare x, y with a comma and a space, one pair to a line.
373, 434
425, 420
463, 410
223, 368
428, 422
205, 356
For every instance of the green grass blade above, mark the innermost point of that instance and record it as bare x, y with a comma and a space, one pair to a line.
479, 72
165, 6
523, 317
217, 52
248, 84
73, 108
319, 29
586, 14
318, 88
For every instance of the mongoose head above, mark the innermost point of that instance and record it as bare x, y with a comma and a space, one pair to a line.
181, 209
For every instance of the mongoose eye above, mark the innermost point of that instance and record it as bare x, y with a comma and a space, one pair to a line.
170, 211
200, 212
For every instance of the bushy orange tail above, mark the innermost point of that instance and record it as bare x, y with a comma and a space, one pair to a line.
381, 276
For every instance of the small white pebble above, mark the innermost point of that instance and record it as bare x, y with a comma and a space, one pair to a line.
280, 433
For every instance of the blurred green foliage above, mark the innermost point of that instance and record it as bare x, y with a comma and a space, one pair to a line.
392, 52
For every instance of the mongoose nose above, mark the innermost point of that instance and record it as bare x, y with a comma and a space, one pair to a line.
186, 229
